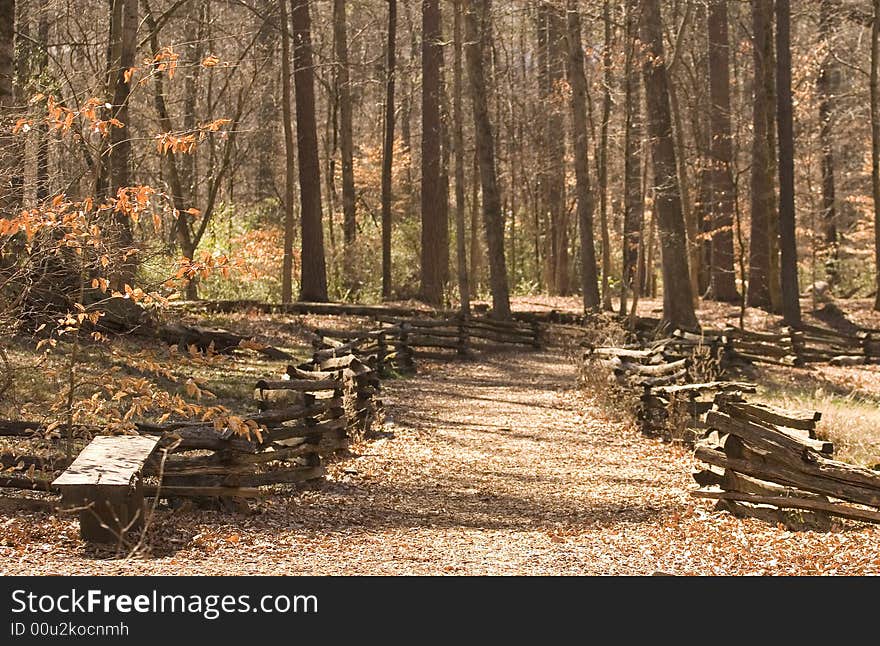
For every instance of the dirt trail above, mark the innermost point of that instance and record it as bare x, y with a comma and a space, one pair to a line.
493, 466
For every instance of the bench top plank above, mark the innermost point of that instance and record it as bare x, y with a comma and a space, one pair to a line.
109, 460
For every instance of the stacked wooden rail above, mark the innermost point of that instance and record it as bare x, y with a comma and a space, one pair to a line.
765, 462
789, 347
325, 402
676, 413
671, 404
399, 342
384, 349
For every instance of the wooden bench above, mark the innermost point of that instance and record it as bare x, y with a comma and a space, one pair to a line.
104, 484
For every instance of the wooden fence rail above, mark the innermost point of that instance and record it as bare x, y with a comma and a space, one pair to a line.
764, 461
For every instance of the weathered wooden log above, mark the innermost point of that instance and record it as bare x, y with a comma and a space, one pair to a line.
32, 484
760, 434
788, 360
11, 459
658, 370
166, 491
222, 341
624, 353
209, 438
667, 380
786, 502
733, 481
302, 385
772, 415
741, 386
807, 476
283, 476
763, 349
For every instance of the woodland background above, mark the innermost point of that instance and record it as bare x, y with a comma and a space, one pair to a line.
439, 150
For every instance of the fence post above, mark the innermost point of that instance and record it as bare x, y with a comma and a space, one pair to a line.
463, 340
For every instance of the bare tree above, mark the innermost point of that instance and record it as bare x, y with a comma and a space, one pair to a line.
633, 198
578, 81
791, 308
723, 277
875, 142
464, 291
762, 195
289, 159
346, 137
388, 147
8, 159
826, 86
678, 302
434, 225
313, 284
477, 27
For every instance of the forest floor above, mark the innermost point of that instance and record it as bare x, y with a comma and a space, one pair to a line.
497, 465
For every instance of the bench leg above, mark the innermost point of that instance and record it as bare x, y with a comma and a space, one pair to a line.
106, 511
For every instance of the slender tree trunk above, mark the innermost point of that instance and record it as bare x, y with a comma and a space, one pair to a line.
388, 147
346, 138
826, 85
434, 225
723, 277
476, 250
265, 136
875, 141
762, 204
678, 301
691, 223
195, 22
9, 160
289, 159
42, 188
791, 308
458, 145
633, 199
477, 25
123, 30
552, 166
313, 284
607, 71
578, 81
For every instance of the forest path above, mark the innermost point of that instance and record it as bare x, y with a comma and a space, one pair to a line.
497, 465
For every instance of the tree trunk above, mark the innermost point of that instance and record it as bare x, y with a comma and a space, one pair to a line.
762, 205
603, 158
464, 291
551, 71
723, 277
826, 86
289, 160
434, 224
42, 59
265, 135
791, 308
388, 148
578, 81
678, 302
313, 283
477, 26
346, 143
633, 199
875, 141
123, 44
9, 160
476, 250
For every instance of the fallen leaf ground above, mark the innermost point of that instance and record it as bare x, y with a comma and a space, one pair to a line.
498, 465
